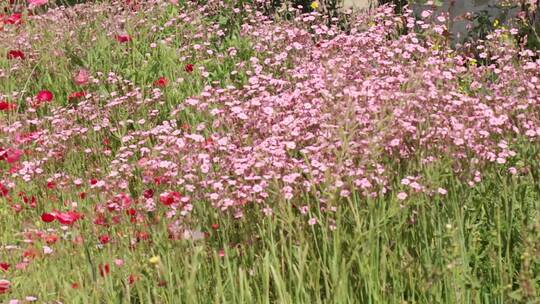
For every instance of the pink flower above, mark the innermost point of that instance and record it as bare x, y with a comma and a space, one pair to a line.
402, 196
35, 3
81, 77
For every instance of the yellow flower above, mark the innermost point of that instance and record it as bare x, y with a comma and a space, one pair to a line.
496, 23
154, 260
314, 5
473, 61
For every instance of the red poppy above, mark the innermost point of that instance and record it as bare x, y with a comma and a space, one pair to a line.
104, 269
74, 285
4, 286
50, 239
15, 54
76, 95
123, 38
161, 82
215, 226
189, 68
132, 279
4, 266
142, 236
11, 155
30, 253
6, 106
47, 217
4, 191
67, 218
15, 18
104, 239
148, 193
51, 185
169, 198
44, 96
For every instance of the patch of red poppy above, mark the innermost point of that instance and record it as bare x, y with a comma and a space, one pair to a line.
4, 266
104, 239
30, 253
50, 239
15, 54
47, 217
44, 96
4, 286
76, 95
10, 155
67, 218
161, 82
169, 198
188, 68
123, 38
104, 269
6, 106
15, 18
132, 279
4, 191
148, 193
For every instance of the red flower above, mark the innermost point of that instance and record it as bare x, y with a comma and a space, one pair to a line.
15, 18
10, 155
104, 269
47, 217
4, 266
148, 193
3, 190
169, 198
4, 286
50, 239
67, 218
123, 38
74, 285
30, 253
44, 96
15, 54
161, 82
76, 95
104, 239
51, 185
215, 226
6, 106
189, 68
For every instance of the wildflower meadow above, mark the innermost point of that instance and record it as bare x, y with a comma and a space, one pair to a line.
228, 151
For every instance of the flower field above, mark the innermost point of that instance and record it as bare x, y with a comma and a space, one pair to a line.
221, 152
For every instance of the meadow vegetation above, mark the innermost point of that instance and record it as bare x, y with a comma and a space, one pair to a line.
216, 152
